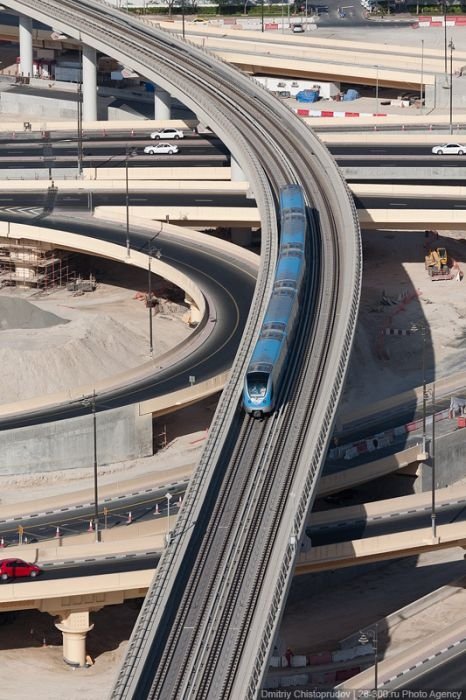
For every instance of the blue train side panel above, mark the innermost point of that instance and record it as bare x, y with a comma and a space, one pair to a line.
291, 197
268, 361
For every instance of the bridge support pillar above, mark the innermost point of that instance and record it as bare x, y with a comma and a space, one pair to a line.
74, 626
237, 174
194, 315
25, 45
89, 84
162, 104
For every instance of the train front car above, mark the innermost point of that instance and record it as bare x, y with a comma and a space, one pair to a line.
260, 384
265, 370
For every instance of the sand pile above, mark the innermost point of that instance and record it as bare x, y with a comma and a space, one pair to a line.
19, 313
40, 360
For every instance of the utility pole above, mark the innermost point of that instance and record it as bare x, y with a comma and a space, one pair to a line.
90, 402
128, 247
149, 304
421, 91
433, 513
445, 35
80, 113
452, 48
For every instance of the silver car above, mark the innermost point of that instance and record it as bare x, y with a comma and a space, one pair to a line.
157, 148
167, 133
449, 149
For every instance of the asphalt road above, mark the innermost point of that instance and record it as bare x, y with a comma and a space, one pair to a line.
110, 565
222, 280
113, 512
442, 674
63, 201
28, 152
344, 531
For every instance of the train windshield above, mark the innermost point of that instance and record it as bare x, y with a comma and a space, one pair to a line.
257, 384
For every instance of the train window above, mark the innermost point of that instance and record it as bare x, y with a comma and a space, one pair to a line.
274, 327
286, 291
264, 367
289, 248
257, 384
272, 335
285, 283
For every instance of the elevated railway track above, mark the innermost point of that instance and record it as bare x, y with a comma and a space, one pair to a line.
208, 622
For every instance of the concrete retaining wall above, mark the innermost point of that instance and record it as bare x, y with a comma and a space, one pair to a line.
121, 434
450, 461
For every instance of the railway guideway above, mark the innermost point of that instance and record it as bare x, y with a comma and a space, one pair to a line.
273, 147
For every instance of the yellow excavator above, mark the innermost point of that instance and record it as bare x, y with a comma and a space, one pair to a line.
437, 264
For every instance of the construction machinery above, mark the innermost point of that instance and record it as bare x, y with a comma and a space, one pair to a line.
437, 264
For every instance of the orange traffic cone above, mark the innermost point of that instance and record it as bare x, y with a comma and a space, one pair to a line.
57, 533
157, 511
129, 519
2, 542
90, 528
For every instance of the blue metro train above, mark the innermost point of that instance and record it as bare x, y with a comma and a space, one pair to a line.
268, 361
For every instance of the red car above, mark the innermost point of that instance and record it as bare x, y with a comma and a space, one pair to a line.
17, 568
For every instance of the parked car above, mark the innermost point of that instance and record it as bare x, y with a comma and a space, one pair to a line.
298, 29
449, 149
167, 133
158, 148
17, 568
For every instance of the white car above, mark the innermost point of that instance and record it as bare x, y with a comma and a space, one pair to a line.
168, 133
298, 28
156, 148
449, 149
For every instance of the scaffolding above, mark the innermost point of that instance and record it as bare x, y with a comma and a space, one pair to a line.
33, 265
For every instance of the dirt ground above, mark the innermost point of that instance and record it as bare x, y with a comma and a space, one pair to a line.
394, 271
398, 294
55, 341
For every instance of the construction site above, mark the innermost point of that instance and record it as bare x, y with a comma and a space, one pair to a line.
404, 317
68, 319
38, 265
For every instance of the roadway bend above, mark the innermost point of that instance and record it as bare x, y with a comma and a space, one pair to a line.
228, 290
273, 147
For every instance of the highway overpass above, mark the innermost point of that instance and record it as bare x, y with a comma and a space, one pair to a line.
73, 599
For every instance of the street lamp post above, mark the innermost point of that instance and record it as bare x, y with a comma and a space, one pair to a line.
262, 15
372, 635
168, 496
445, 36
452, 48
421, 91
149, 305
433, 511
128, 247
377, 89
151, 250
80, 113
424, 391
89, 402
129, 152
182, 19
